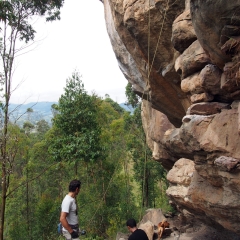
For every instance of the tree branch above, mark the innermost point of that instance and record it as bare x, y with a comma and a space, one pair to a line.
10, 192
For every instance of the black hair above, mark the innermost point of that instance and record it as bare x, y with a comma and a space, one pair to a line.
73, 185
131, 223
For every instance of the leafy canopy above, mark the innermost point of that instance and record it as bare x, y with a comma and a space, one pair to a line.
77, 132
16, 13
132, 98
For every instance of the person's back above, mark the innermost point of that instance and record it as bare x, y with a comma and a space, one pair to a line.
137, 234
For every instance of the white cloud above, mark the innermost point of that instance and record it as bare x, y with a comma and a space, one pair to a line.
78, 41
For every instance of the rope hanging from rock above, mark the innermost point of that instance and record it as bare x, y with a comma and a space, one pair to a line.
148, 77
147, 85
145, 144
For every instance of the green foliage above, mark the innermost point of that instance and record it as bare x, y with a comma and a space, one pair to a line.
17, 13
29, 110
42, 127
6, 10
147, 172
132, 98
15, 17
28, 126
54, 109
38, 195
101, 204
116, 185
115, 105
48, 210
77, 129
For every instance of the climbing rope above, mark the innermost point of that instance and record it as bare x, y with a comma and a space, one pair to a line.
148, 84
160, 34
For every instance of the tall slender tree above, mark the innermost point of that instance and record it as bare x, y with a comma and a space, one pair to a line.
15, 25
147, 172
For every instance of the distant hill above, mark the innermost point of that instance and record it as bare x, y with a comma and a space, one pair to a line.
41, 110
127, 108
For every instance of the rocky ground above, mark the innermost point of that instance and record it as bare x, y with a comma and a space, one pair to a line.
204, 233
180, 229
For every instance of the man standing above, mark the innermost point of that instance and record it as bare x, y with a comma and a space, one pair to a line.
69, 218
137, 234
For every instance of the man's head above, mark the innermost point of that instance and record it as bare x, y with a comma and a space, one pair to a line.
74, 185
131, 224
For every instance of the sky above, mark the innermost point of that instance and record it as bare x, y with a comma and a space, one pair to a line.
79, 41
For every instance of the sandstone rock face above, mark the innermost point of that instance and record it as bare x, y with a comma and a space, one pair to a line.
145, 31
183, 33
191, 191
220, 21
125, 60
183, 58
155, 125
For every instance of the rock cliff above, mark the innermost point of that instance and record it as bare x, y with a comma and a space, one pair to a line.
183, 59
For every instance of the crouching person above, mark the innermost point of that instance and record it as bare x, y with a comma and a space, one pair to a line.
69, 214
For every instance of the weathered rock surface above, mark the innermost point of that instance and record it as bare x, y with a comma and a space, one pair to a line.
202, 198
183, 58
155, 125
149, 45
214, 23
205, 108
180, 228
192, 60
183, 34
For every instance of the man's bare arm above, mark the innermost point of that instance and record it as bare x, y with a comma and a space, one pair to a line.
63, 220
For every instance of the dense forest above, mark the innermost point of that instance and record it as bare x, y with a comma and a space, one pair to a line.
90, 138
94, 140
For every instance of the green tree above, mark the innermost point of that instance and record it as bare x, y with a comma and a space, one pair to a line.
27, 126
54, 109
29, 113
15, 17
38, 190
132, 98
105, 210
77, 132
115, 105
148, 174
16, 148
42, 127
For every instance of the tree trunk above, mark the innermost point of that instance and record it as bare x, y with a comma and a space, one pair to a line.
3, 205
27, 203
4, 170
76, 168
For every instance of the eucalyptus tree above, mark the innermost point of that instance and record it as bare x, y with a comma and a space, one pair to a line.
16, 27
42, 127
132, 98
148, 173
105, 209
77, 131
